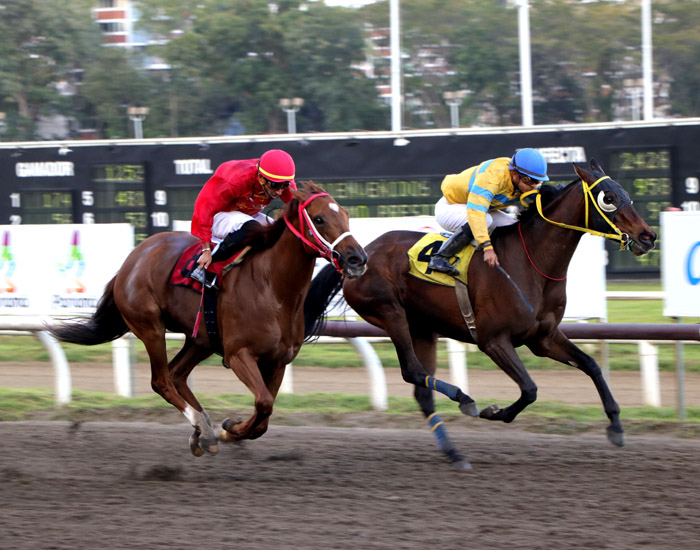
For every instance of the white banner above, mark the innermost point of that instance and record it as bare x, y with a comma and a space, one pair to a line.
680, 263
585, 281
59, 269
585, 285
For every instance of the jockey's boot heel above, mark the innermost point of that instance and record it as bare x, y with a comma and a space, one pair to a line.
440, 260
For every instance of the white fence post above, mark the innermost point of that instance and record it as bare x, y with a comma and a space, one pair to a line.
60, 367
377, 380
457, 358
122, 367
649, 366
287, 385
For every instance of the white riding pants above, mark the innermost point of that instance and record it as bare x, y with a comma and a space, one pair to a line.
453, 216
228, 222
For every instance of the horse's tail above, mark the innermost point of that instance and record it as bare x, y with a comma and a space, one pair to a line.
324, 287
105, 325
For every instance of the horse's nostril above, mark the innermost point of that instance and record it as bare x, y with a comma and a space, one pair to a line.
648, 237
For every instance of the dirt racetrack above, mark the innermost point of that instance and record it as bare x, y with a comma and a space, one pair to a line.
109, 485
136, 486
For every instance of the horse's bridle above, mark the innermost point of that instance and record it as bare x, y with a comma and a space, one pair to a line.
588, 196
319, 244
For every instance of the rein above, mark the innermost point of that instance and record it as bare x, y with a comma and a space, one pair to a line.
617, 236
319, 243
520, 229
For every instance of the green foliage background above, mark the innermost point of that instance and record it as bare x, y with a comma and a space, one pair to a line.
231, 62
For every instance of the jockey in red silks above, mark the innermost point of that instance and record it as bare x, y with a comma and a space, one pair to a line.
230, 204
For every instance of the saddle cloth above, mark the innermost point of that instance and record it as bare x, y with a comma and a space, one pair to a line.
187, 261
419, 256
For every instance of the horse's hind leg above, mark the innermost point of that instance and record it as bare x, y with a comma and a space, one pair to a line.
427, 354
560, 348
204, 438
152, 334
502, 352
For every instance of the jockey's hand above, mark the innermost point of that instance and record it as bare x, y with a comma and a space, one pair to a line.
205, 259
490, 257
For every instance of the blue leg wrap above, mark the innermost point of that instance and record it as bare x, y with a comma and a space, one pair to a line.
443, 387
438, 428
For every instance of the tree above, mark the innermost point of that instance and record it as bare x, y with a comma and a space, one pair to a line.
111, 83
242, 57
676, 49
42, 43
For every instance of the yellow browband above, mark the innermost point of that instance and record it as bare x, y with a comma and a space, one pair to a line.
617, 236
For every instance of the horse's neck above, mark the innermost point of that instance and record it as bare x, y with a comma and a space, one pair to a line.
291, 267
551, 247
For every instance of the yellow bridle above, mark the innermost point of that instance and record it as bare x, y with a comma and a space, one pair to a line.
617, 236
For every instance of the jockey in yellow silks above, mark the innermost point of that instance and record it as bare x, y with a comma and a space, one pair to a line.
473, 200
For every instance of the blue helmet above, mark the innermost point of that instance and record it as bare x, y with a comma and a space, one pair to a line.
530, 162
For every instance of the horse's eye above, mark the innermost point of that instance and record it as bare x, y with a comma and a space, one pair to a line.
607, 202
318, 220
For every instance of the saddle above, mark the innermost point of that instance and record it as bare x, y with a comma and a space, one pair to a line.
419, 257
181, 276
187, 262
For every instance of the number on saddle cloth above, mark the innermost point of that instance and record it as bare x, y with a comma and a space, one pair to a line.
419, 258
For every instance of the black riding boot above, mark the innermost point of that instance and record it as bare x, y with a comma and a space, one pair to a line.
230, 245
457, 241
227, 248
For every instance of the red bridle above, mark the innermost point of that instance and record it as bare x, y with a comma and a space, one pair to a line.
319, 244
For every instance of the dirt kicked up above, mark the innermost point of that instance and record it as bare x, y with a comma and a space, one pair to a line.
136, 486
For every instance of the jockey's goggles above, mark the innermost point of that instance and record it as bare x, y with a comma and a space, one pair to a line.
277, 185
527, 180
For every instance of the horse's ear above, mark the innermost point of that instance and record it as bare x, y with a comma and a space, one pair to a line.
584, 174
308, 187
596, 167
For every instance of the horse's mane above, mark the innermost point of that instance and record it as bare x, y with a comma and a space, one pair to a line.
266, 236
549, 192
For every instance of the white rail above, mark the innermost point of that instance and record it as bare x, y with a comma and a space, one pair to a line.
123, 373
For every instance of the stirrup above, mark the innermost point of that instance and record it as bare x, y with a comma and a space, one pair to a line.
200, 276
441, 264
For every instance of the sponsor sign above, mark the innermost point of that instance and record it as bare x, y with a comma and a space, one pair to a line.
59, 269
680, 265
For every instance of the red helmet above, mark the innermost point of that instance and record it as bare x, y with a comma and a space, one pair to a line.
277, 165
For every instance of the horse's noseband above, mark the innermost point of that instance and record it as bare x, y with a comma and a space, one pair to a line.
319, 244
589, 198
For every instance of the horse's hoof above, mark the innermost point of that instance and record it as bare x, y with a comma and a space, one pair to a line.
226, 436
615, 437
209, 447
194, 446
469, 408
199, 446
489, 413
461, 465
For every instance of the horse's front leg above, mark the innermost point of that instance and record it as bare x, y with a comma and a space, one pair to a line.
245, 365
502, 352
558, 347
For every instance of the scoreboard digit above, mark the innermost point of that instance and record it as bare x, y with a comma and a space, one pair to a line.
117, 195
646, 174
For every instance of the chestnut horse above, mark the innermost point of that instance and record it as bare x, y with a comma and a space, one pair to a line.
519, 303
260, 308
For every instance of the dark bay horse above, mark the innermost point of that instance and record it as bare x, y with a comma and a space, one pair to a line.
260, 308
520, 303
